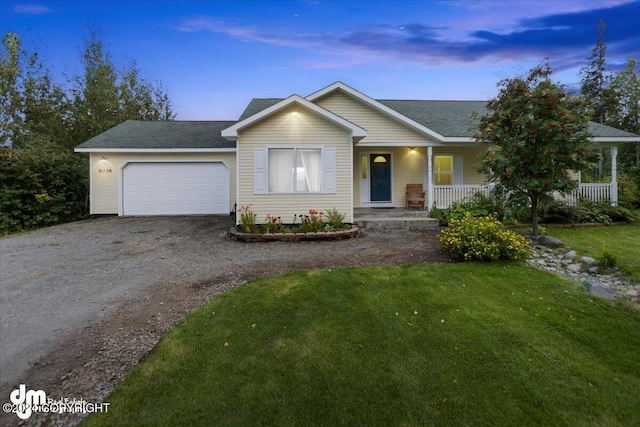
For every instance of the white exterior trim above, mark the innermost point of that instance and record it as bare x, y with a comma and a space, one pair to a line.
90, 184
399, 144
155, 150
365, 190
231, 133
463, 139
613, 139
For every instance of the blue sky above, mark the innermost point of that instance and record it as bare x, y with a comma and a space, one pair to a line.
214, 56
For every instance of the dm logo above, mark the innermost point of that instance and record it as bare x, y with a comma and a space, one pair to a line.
25, 400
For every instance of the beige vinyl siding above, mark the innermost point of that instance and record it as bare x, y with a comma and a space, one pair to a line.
379, 126
407, 168
280, 130
104, 185
469, 161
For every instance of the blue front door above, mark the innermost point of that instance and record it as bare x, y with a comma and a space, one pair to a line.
380, 177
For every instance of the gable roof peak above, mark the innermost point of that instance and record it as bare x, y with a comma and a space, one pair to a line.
231, 133
377, 105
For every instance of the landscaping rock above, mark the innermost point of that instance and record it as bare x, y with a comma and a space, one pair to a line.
574, 268
602, 285
587, 260
596, 290
570, 255
550, 242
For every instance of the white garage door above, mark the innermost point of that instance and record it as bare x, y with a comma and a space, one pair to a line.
175, 188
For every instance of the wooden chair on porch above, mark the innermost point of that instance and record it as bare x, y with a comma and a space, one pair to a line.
415, 196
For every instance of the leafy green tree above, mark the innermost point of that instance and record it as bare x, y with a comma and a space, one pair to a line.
625, 111
11, 98
95, 95
46, 105
41, 185
32, 104
536, 134
42, 182
105, 96
140, 99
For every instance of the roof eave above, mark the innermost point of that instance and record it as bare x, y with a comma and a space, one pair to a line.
154, 150
615, 139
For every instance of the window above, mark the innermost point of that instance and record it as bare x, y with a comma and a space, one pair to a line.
443, 170
295, 170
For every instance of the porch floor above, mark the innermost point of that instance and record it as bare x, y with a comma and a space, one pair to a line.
394, 218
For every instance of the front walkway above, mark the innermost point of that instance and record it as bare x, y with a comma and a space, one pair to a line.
394, 218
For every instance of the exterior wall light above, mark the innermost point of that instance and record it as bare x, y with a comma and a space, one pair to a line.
412, 150
295, 115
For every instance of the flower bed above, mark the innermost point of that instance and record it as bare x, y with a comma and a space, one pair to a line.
294, 237
315, 225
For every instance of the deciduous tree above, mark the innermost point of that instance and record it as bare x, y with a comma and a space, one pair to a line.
535, 135
105, 95
33, 105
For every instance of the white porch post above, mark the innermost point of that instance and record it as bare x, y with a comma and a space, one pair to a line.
430, 178
614, 176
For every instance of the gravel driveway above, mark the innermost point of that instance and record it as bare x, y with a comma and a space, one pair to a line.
82, 303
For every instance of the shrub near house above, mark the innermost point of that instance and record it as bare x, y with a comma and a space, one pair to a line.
482, 239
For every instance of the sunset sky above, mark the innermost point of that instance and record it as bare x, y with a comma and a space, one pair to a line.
214, 56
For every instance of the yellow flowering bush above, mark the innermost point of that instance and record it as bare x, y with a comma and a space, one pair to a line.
482, 239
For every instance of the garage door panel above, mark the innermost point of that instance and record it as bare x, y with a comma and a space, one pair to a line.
175, 188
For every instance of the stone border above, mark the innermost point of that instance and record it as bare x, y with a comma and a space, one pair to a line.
294, 237
566, 262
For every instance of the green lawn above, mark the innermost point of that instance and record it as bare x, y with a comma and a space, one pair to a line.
621, 240
453, 345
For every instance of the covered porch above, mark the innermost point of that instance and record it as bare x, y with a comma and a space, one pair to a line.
443, 196
448, 175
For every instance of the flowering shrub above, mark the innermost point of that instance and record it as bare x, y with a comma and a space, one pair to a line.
273, 224
483, 239
247, 219
313, 222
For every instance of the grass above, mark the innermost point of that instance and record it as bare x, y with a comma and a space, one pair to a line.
460, 344
621, 240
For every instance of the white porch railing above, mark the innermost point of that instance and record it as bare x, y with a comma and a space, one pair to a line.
596, 192
445, 195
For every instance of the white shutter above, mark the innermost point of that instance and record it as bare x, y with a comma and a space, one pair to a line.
329, 170
260, 171
458, 168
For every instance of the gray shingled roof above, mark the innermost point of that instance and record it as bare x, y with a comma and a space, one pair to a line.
607, 131
256, 105
448, 118
162, 134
